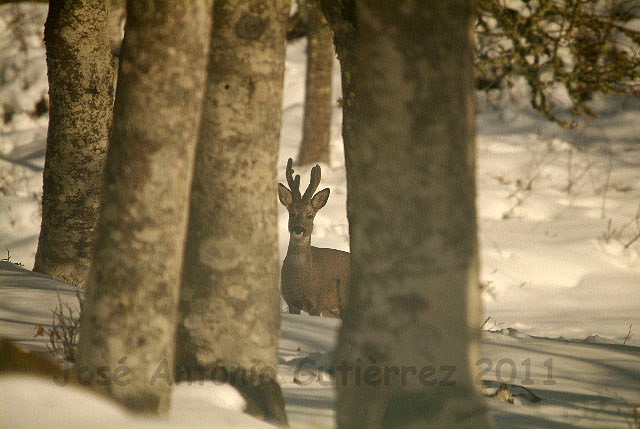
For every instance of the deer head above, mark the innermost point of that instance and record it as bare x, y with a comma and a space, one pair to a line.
302, 208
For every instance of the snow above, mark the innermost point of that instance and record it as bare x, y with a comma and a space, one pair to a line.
22, 140
557, 215
193, 406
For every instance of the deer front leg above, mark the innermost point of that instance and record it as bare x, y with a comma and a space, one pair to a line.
311, 305
314, 311
331, 313
293, 309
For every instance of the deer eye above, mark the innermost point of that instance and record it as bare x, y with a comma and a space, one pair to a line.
310, 216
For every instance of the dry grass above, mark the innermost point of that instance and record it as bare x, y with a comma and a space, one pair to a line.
65, 328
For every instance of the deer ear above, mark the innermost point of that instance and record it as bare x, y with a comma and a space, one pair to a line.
320, 199
284, 195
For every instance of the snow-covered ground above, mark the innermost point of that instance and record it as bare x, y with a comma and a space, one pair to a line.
558, 212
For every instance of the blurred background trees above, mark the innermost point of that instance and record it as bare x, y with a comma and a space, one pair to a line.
318, 104
566, 50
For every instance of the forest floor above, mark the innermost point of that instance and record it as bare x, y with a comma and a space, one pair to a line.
558, 214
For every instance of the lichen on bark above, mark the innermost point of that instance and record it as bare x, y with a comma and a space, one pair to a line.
80, 71
131, 306
413, 300
229, 306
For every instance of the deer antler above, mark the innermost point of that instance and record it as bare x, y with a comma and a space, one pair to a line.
313, 184
294, 184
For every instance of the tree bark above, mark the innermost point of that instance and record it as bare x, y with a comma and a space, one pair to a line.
80, 70
316, 126
411, 329
230, 300
130, 311
341, 15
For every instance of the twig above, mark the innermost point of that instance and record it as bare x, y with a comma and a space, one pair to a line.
633, 240
628, 335
637, 236
64, 330
8, 259
485, 322
607, 182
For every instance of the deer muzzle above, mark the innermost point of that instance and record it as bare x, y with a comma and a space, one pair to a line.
297, 231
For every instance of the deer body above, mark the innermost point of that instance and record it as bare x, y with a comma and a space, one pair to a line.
313, 279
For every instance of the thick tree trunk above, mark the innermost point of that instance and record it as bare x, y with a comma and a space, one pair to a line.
411, 330
80, 69
316, 126
131, 307
230, 314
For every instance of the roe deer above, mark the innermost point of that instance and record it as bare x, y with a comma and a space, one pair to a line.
313, 279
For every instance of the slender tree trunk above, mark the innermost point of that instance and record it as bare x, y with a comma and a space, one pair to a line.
316, 126
411, 330
130, 311
341, 15
230, 314
80, 69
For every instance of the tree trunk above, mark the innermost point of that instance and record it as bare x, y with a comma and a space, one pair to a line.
230, 300
80, 69
411, 330
130, 312
316, 126
341, 15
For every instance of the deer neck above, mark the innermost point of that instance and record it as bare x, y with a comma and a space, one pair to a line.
299, 250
